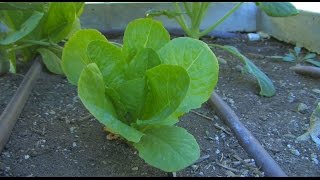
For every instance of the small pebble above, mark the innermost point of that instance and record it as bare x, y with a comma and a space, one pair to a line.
75, 99
72, 130
217, 151
316, 161
26, 156
7, 154
264, 118
239, 68
313, 155
195, 167
135, 169
231, 101
314, 158
295, 152
291, 97
222, 61
201, 174
302, 108
74, 144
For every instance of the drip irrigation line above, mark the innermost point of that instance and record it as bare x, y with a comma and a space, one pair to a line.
12, 111
250, 144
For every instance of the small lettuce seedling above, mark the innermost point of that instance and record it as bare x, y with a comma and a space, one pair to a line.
193, 13
38, 27
139, 90
296, 56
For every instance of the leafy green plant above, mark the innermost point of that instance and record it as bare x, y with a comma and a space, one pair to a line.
296, 56
195, 12
33, 28
140, 89
4, 64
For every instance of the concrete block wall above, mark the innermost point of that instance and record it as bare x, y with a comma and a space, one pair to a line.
109, 16
302, 30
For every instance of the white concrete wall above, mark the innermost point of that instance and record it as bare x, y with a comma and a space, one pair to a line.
107, 16
302, 30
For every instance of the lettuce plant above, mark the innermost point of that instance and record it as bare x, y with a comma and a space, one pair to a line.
38, 27
193, 13
140, 89
295, 55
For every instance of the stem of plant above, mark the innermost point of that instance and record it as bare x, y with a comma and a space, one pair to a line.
37, 42
201, 11
44, 43
20, 47
209, 29
226, 49
187, 8
180, 19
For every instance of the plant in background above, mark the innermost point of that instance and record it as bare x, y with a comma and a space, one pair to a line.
32, 28
296, 56
140, 89
196, 11
4, 63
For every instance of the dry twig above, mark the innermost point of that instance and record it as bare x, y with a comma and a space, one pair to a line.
211, 119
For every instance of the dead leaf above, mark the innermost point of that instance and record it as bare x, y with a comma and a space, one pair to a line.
314, 128
111, 136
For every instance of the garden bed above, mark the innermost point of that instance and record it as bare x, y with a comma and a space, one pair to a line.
55, 137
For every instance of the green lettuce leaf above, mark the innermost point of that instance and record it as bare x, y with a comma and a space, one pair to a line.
143, 33
79, 7
278, 9
51, 60
91, 91
109, 59
266, 86
30, 6
201, 64
74, 55
26, 28
59, 21
168, 148
168, 85
145, 59
76, 26
132, 95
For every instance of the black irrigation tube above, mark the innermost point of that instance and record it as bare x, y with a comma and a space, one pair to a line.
12, 111
311, 71
245, 138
